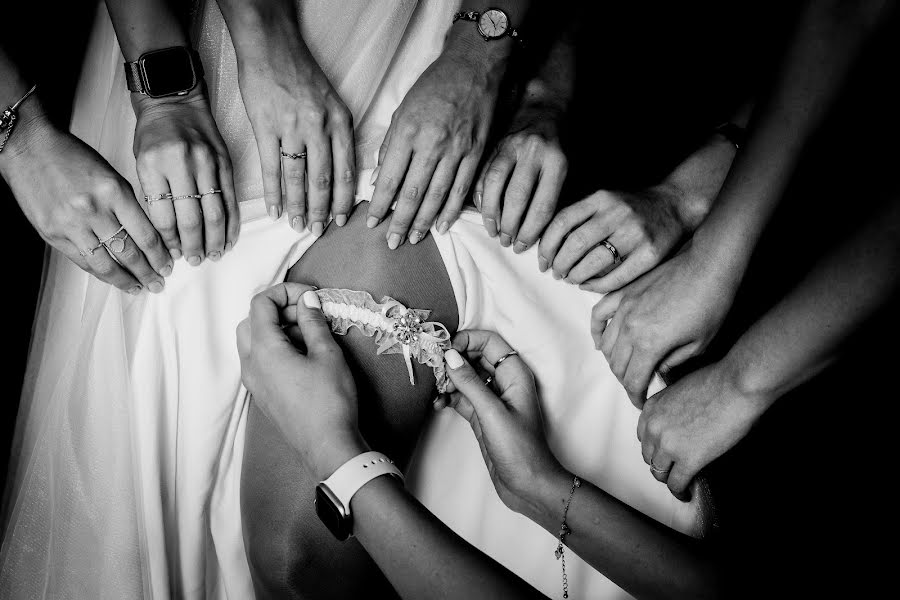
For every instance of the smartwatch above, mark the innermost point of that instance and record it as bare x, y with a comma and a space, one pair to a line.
334, 494
167, 72
492, 23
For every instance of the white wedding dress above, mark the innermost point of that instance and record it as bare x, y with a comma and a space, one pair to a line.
125, 482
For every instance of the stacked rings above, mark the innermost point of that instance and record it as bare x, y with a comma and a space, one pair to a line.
185, 196
115, 244
293, 155
158, 197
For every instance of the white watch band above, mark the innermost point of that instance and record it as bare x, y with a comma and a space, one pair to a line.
357, 472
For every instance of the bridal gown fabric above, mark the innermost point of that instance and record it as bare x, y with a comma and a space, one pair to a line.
131, 427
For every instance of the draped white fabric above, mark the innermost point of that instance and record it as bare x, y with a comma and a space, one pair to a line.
131, 426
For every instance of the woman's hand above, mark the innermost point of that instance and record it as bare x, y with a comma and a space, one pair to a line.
688, 425
662, 319
75, 199
297, 375
432, 148
180, 152
509, 427
518, 189
295, 110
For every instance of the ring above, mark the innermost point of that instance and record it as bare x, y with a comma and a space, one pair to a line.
293, 155
612, 250
488, 381
115, 244
185, 196
211, 191
504, 357
88, 252
656, 469
157, 197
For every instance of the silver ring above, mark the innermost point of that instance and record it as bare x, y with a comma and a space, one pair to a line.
210, 192
157, 197
612, 250
293, 155
115, 244
488, 381
88, 252
656, 469
118, 231
504, 357
186, 196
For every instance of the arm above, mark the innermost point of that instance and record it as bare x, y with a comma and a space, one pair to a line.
696, 420
295, 113
177, 145
672, 312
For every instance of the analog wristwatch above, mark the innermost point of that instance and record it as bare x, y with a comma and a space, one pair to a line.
492, 23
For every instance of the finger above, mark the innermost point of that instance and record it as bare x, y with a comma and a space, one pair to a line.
438, 189
344, 152
543, 204
267, 306
460, 403
564, 222
458, 193
148, 241
243, 339
414, 185
679, 481
313, 324
632, 267
270, 162
638, 375
189, 216
321, 172
595, 263
610, 335
602, 312
478, 193
661, 466
215, 219
619, 358
496, 175
469, 384
578, 243
513, 377
100, 264
395, 161
123, 249
229, 201
677, 357
518, 195
294, 173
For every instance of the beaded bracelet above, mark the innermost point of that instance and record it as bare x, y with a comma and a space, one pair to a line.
564, 530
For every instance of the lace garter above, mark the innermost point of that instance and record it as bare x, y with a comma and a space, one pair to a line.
396, 329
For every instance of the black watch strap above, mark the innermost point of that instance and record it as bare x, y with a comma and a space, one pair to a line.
136, 83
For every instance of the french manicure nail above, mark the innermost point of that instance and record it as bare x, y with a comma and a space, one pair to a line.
341, 220
542, 264
274, 212
394, 241
491, 226
135, 290
298, 223
317, 228
229, 246
176, 253
505, 240
443, 227
214, 255
520, 247
478, 200
193, 260
311, 299
372, 221
414, 237
454, 360
557, 275
155, 287
166, 271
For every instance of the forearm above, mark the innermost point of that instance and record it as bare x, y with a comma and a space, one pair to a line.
146, 25
806, 330
644, 557
31, 115
263, 29
487, 59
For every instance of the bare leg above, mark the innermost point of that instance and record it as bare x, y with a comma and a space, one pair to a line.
291, 553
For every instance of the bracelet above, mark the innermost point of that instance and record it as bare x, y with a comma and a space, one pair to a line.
9, 116
565, 530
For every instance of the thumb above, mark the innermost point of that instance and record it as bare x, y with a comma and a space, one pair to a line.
313, 325
469, 384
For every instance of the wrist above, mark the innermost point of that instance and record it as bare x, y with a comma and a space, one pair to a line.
328, 456
32, 129
487, 59
741, 379
544, 499
142, 103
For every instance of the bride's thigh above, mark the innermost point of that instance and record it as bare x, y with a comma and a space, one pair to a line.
290, 551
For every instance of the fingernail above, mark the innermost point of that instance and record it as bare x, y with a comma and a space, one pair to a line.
443, 227
491, 226
374, 176
176, 253
414, 237
394, 241
478, 200
274, 212
557, 275
193, 260
311, 299
505, 240
214, 255
317, 228
298, 223
372, 222
166, 271
520, 247
155, 287
454, 360
229, 246
542, 264
341, 220
135, 290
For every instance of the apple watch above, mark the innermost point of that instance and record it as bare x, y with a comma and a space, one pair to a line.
167, 72
334, 494
492, 23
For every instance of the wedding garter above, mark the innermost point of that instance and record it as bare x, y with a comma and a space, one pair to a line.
396, 329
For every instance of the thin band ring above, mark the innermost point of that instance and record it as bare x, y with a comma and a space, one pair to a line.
116, 244
118, 231
487, 382
158, 197
656, 469
612, 250
88, 252
210, 192
293, 155
504, 357
186, 196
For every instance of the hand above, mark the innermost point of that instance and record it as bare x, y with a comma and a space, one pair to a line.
432, 148
74, 199
519, 185
294, 108
664, 318
509, 429
179, 150
686, 426
298, 376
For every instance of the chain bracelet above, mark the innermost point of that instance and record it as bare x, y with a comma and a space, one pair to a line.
565, 530
9, 116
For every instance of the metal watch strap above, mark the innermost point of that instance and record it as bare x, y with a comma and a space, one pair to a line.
357, 472
133, 72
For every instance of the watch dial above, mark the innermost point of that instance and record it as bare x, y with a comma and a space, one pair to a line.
331, 516
493, 23
168, 72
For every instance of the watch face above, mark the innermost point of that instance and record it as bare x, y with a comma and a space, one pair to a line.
331, 513
168, 72
493, 23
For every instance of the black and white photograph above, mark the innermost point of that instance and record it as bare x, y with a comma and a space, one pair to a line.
462, 299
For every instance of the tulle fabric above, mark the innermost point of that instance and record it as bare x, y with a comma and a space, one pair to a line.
131, 427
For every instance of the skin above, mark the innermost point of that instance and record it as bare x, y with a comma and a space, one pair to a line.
292, 107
